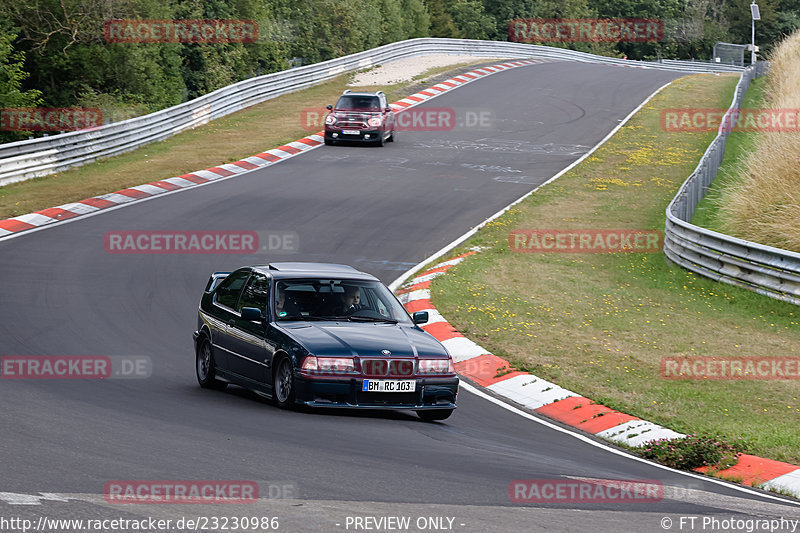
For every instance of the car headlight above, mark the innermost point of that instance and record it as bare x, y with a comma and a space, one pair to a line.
375, 121
330, 120
328, 365
436, 366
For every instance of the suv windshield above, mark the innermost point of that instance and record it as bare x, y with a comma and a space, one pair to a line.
337, 299
350, 101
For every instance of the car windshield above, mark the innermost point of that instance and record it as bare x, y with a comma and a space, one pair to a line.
337, 299
358, 102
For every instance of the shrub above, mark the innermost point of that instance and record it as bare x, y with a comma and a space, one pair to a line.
693, 451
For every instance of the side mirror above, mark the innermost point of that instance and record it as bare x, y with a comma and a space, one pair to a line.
252, 314
389, 109
329, 107
420, 317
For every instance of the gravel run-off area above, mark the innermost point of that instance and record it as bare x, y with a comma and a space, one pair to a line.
405, 69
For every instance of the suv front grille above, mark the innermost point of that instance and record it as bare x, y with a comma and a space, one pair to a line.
353, 121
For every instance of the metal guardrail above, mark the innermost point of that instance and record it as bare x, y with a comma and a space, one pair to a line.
763, 269
33, 158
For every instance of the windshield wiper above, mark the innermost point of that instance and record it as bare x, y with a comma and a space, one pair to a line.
372, 319
304, 317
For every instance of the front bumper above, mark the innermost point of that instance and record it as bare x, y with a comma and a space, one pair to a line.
361, 137
430, 393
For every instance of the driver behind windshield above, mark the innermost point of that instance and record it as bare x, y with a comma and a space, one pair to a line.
352, 300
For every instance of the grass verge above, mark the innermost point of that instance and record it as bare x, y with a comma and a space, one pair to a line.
230, 138
599, 324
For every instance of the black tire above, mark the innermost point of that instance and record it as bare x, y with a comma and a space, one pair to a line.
205, 368
283, 384
391, 137
381, 139
328, 142
429, 415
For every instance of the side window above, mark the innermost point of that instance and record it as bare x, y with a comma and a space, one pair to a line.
255, 294
228, 291
378, 304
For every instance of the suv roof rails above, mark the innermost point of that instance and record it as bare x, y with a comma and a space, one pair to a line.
347, 91
379, 92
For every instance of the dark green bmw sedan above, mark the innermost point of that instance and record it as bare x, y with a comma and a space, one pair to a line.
320, 335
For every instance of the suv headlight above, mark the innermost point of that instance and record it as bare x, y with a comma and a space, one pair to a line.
330, 120
375, 121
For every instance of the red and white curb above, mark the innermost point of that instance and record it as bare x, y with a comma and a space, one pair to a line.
73, 210
482, 368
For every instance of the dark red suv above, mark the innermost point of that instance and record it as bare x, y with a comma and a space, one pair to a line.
360, 117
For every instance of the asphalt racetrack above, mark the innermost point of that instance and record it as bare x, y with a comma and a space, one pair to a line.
381, 210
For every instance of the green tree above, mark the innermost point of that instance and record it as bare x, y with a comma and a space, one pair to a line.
442, 24
67, 55
770, 32
12, 76
325, 29
471, 20
504, 11
739, 17
416, 20
392, 29
460, 19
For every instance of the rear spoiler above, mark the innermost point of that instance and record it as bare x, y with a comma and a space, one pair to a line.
215, 279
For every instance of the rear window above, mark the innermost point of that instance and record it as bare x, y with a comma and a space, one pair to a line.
358, 102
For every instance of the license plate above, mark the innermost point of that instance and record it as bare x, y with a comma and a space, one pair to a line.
350, 132
389, 385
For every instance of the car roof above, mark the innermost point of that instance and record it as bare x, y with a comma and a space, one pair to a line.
361, 93
312, 270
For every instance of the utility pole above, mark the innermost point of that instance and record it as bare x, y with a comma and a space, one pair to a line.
755, 15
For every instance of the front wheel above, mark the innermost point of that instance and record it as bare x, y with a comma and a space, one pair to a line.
206, 369
391, 137
430, 415
328, 142
283, 384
